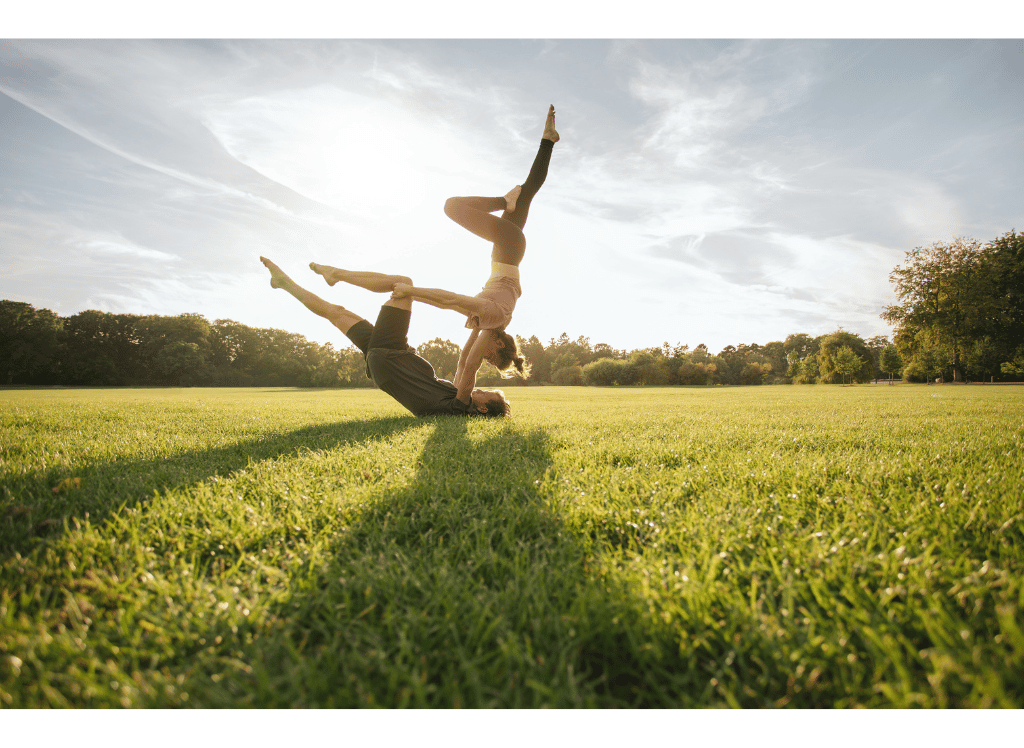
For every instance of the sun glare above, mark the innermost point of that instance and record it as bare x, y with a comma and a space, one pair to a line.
343, 149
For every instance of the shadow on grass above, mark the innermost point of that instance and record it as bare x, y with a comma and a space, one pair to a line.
464, 588
36, 507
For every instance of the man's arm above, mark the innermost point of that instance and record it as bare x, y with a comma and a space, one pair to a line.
440, 298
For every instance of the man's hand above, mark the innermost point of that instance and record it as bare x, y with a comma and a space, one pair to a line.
400, 290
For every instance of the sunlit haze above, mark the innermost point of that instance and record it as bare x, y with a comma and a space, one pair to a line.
704, 191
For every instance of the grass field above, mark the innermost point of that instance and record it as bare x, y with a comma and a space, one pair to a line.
667, 547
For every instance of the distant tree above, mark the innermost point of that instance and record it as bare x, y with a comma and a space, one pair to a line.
754, 373
1007, 259
181, 363
540, 360
603, 372
732, 365
890, 361
569, 375
802, 344
30, 341
579, 348
946, 294
876, 345
828, 364
103, 349
926, 364
775, 356
646, 367
846, 363
443, 355
695, 372
807, 370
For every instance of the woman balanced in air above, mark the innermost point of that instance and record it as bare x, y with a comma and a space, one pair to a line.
489, 312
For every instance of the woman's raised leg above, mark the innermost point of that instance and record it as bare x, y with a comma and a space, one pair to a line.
475, 214
376, 282
519, 198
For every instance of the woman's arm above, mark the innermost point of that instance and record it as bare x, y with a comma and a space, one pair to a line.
440, 298
471, 358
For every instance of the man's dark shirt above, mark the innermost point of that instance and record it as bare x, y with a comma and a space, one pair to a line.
410, 379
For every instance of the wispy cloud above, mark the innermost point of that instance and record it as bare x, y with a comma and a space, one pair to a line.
120, 247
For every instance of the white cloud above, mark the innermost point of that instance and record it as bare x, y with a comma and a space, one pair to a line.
121, 247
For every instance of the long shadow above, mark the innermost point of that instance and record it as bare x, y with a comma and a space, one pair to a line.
33, 512
464, 588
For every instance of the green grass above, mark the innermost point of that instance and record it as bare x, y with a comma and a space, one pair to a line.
759, 547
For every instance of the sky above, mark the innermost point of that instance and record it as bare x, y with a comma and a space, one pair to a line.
707, 188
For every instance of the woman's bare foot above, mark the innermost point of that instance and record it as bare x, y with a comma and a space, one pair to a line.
511, 197
278, 278
550, 133
330, 274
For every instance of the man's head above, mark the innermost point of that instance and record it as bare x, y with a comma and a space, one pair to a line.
491, 403
503, 353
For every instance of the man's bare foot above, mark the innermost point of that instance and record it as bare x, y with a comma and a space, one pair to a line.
511, 197
330, 274
550, 133
278, 278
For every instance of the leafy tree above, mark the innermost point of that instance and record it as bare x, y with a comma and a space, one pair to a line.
540, 360
579, 348
801, 358
647, 368
774, 354
828, 363
30, 341
926, 364
603, 372
696, 372
700, 353
569, 375
846, 362
443, 355
876, 345
754, 373
1007, 258
102, 349
182, 363
236, 345
890, 361
946, 295
807, 370
802, 344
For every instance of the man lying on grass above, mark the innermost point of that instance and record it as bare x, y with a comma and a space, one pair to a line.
391, 362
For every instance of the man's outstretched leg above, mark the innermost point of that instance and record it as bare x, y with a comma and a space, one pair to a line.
337, 315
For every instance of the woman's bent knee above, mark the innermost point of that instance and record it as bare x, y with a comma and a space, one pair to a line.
451, 206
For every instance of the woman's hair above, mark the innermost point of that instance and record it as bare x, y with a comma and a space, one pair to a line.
510, 356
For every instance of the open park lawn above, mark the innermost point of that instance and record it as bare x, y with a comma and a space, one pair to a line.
783, 546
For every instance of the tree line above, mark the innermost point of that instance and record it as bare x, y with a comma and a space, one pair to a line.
960, 315
93, 348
